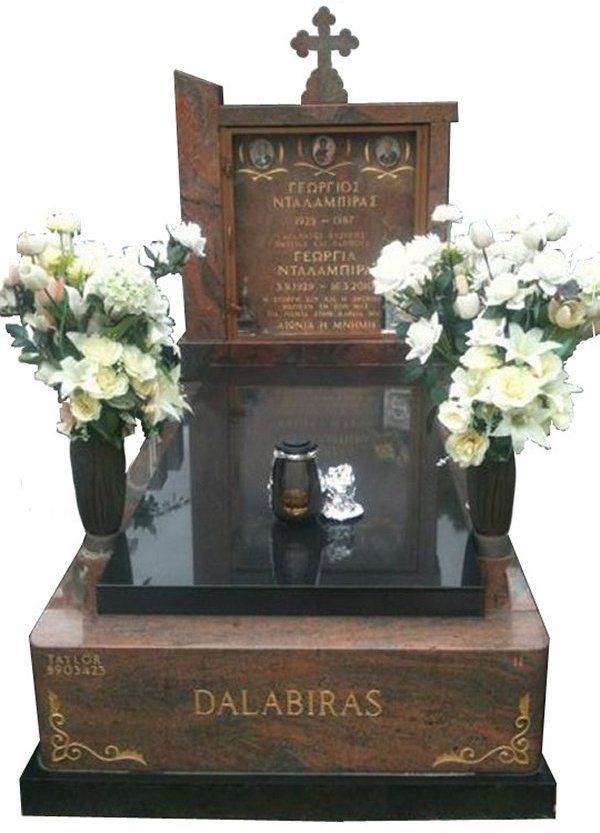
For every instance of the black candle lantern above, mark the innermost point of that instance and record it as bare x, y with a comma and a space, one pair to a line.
295, 486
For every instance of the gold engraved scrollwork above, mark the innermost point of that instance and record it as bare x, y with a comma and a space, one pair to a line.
516, 751
65, 749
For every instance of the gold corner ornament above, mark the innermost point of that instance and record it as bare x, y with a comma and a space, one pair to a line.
65, 749
516, 751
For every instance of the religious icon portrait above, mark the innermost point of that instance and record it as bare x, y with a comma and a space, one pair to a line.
387, 151
261, 153
323, 151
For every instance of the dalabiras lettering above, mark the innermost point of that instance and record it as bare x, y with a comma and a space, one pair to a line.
288, 702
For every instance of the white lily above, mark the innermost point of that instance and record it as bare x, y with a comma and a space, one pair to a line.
527, 346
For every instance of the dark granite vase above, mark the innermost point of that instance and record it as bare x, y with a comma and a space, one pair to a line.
99, 479
491, 492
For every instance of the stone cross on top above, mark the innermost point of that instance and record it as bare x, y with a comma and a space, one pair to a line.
324, 85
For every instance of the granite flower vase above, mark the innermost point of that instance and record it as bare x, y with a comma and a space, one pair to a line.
491, 492
99, 479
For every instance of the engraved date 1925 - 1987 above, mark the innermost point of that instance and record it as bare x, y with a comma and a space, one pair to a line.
86, 664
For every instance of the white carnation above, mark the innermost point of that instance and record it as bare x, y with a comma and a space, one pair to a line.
126, 288
447, 214
190, 237
425, 249
395, 271
64, 223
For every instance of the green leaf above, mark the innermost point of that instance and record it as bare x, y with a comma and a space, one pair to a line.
150, 254
402, 328
444, 282
19, 334
411, 371
438, 393
108, 426
29, 357
125, 402
494, 312
431, 417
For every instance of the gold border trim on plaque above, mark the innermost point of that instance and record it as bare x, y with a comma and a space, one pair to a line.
65, 749
516, 751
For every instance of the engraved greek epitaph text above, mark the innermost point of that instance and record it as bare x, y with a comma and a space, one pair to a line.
312, 211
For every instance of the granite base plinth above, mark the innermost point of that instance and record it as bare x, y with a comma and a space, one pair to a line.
354, 797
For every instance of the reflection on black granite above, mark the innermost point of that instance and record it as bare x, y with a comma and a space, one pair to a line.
296, 552
207, 524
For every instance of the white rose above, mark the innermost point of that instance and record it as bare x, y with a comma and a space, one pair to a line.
454, 416
467, 448
481, 234
468, 386
587, 275
447, 214
85, 408
422, 336
481, 358
112, 384
190, 237
64, 223
31, 244
467, 306
516, 250
139, 366
503, 288
555, 226
390, 270
534, 236
551, 266
98, 349
32, 276
512, 387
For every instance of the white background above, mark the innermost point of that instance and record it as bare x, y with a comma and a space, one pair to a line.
88, 124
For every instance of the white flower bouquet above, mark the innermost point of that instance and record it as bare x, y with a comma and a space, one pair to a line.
490, 319
97, 327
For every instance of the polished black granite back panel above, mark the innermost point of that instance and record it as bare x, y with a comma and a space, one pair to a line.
204, 539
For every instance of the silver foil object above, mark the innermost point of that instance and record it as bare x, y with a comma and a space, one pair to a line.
339, 485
